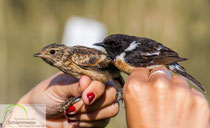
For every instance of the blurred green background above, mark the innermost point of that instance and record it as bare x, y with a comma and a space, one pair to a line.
28, 25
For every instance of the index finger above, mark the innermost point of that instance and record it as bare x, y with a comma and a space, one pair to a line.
141, 73
138, 78
93, 91
63, 85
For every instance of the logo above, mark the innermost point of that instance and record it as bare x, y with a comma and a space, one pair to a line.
19, 116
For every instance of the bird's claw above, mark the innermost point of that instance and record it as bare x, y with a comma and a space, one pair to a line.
119, 95
68, 103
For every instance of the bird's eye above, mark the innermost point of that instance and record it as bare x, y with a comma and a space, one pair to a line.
52, 52
115, 44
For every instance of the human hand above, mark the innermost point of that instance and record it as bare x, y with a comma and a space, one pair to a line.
162, 102
94, 111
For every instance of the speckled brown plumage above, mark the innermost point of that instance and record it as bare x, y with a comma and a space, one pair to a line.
80, 60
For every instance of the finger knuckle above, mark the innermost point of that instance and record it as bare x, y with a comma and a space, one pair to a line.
201, 101
130, 88
133, 85
98, 83
115, 109
111, 93
161, 83
181, 92
111, 89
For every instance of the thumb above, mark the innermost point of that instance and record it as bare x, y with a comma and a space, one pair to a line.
62, 86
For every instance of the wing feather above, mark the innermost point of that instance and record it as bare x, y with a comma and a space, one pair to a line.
89, 57
149, 52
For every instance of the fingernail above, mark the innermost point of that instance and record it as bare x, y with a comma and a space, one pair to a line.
70, 109
90, 96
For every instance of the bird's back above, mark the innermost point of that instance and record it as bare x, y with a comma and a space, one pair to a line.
149, 52
93, 63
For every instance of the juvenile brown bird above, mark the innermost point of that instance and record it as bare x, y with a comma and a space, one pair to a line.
129, 52
80, 60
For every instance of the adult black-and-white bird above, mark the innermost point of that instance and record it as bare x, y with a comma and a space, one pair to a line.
129, 52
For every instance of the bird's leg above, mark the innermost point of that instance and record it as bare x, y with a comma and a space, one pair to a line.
69, 102
119, 94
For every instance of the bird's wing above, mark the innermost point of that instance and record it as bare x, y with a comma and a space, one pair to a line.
167, 56
89, 57
149, 52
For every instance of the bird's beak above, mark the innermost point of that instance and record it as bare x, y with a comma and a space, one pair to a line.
38, 55
101, 44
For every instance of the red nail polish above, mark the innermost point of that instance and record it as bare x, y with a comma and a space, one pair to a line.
90, 96
70, 109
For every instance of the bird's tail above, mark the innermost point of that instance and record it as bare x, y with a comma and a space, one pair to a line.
176, 68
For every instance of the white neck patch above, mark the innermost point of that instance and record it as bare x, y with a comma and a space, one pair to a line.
132, 46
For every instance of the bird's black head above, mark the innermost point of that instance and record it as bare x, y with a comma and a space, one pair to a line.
52, 54
116, 44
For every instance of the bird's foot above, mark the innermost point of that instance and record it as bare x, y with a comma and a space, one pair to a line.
68, 103
119, 95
